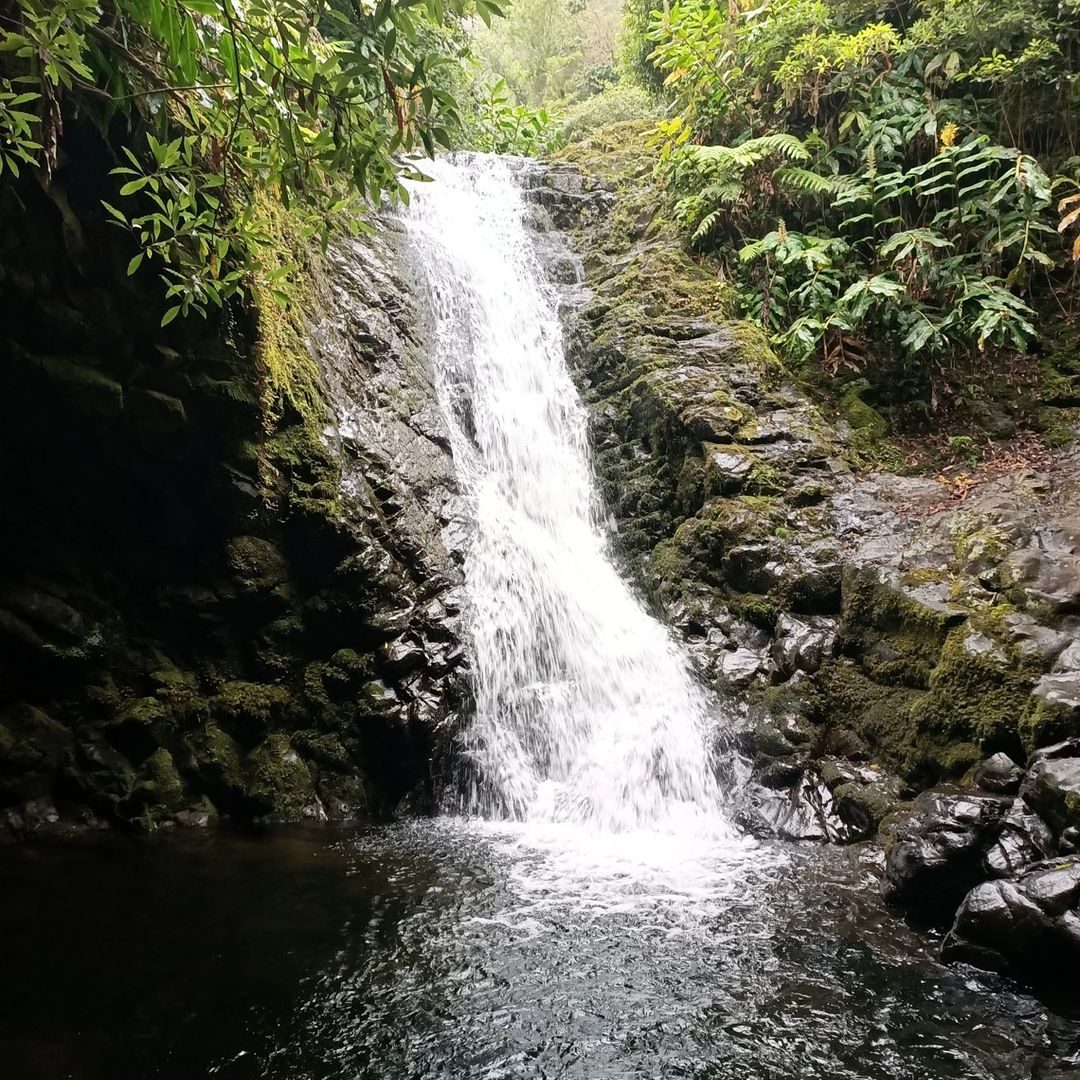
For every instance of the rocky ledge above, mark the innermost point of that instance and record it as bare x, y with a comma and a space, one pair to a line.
999, 864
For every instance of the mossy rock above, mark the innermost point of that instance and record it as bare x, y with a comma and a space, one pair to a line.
859, 415
898, 635
279, 784
213, 757
249, 710
33, 741
255, 564
979, 692
880, 717
345, 796
158, 791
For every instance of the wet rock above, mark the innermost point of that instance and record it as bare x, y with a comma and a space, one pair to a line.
935, 855
1028, 927
1061, 692
863, 796
1024, 838
1052, 785
803, 812
741, 665
1033, 638
999, 774
765, 739
1069, 659
802, 645
256, 565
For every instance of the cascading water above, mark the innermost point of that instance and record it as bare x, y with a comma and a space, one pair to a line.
586, 711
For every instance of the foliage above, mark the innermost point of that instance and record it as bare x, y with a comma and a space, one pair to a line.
500, 127
318, 103
536, 49
877, 181
613, 104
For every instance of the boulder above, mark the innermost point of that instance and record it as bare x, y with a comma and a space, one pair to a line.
863, 795
1061, 692
1024, 838
1028, 927
935, 855
999, 774
1052, 785
803, 645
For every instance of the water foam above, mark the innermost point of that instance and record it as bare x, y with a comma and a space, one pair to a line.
586, 711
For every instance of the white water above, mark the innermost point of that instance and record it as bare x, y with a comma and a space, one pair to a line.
586, 712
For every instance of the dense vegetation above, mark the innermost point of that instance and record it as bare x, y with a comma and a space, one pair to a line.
211, 106
890, 188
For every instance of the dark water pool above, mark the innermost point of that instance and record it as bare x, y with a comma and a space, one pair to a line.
441, 950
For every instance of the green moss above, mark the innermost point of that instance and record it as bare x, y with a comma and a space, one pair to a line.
1042, 723
845, 698
617, 153
278, 782
898, 638
859, 415
255, 564
759, 611
314, 473
344, 796
291, 376
979, 689
323, 748
159, 787
1058, 426
249, 709
667, 562
215, 758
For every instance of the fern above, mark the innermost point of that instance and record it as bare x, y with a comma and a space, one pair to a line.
803, 180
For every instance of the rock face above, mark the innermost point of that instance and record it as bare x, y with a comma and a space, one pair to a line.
225, 587
1001, 870
935, 855
873, 636
877, 611
1028, 926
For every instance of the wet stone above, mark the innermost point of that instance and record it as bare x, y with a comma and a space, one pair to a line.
1052, 788
1025, 838
1028, 926
936, 853
999, 774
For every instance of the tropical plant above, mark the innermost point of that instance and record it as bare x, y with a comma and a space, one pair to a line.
317, 103
876, 185
501, 127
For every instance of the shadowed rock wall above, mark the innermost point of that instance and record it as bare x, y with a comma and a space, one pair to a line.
213, 602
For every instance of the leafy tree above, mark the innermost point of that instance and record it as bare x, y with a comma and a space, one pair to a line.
498, 126
318, 104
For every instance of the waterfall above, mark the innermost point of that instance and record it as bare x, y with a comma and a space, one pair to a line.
586, 711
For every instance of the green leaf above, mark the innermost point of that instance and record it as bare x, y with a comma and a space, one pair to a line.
133, 186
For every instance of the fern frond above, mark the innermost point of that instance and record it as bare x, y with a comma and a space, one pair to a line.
804, 180
705, 225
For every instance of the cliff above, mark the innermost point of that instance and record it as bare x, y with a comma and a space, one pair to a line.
224, 590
